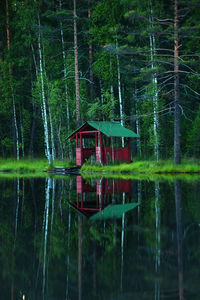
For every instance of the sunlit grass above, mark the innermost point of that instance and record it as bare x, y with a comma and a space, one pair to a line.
150, 167
28, 165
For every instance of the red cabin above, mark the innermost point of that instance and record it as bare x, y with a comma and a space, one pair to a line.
99, 140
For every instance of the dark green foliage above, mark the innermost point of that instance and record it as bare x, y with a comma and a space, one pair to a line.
112, 30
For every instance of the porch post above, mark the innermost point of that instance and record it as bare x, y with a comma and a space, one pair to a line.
100, 147
81, 144
96, 140
81, 148
129, 150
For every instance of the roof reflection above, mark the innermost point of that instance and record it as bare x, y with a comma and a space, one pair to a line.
103, 199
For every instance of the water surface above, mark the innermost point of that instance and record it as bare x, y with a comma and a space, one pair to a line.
99, 239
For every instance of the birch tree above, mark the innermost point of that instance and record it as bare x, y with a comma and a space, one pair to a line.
43, 102
65, 81
119, 90
152, 42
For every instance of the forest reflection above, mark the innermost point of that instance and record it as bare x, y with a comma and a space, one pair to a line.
75, 239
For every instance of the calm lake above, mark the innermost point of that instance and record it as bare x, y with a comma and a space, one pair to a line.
69, 238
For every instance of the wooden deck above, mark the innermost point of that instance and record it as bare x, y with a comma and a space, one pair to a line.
66, 170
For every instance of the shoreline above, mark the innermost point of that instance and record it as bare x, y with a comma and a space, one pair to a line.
162, 167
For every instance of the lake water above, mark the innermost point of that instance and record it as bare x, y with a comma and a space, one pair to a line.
69, 238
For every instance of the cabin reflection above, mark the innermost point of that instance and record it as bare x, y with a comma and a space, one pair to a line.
103, 199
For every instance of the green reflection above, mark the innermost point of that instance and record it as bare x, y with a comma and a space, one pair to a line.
49, 251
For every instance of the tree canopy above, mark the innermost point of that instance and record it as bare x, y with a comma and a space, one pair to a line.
134, 61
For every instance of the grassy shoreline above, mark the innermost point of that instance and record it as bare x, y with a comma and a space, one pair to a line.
188, 166
148, 167
28, 165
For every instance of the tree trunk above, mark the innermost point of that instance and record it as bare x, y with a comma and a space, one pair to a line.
59, 140
119, 91
177, 116
16, 138
65, 80
43, 102
16, 134
139, 150
112, 102
155, 88
90, 61
22, 133
78, 115
52, 134
32, 130
101, 98
112, 93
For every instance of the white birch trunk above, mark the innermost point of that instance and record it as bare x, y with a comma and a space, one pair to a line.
44, 110
65, 80
155, 89
16, 127
52, 134
53, 150
119, 92
22, 134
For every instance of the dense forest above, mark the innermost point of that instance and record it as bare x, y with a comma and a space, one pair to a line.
66, 62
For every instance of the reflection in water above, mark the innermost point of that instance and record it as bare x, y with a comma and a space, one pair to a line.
157, 219
79, 257
177, 189
17, 199
122, 244
49, 250
102, 199
45, 230
68, 246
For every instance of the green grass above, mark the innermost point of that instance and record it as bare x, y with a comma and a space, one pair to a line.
28, 165
141, 170
147, 167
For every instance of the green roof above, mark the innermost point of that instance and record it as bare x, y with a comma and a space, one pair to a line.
109, 129
114, 211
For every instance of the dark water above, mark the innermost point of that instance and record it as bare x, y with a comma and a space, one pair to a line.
99, 239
